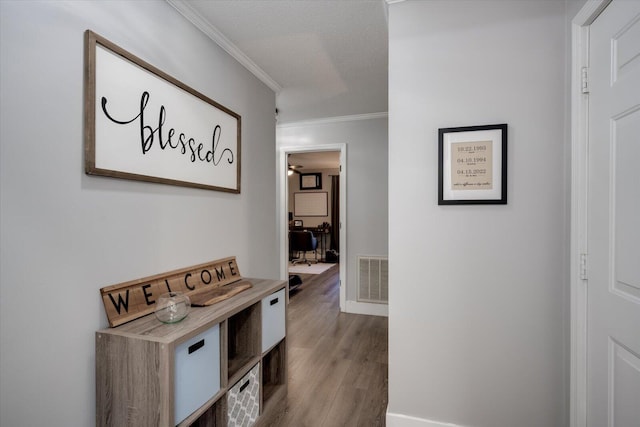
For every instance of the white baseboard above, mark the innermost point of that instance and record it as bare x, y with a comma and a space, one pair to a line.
367, 308
399, 420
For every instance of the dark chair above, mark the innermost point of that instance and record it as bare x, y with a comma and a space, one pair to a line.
302, 242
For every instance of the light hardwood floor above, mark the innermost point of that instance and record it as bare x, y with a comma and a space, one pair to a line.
337, 361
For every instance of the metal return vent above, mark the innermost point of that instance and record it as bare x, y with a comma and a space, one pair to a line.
373, 279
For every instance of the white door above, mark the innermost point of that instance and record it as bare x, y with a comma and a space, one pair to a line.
613, 289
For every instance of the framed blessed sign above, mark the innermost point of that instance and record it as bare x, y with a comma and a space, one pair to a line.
141, 123
472, 165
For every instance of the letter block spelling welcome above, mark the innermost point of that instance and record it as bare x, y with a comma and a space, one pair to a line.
130, 300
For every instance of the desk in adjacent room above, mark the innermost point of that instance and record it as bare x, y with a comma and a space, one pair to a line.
321, 234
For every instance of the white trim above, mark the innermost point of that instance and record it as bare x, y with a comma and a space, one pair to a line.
589, 12
579, 194
371, 309
338, 119
399, 420
214, 34
282, 192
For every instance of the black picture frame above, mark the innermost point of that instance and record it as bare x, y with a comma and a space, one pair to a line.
472, 165
310, 181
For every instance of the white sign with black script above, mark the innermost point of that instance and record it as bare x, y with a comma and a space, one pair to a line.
143, 124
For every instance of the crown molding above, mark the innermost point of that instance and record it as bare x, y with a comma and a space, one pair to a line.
214, 34
339, 119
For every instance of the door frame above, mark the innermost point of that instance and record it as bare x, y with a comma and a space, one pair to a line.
283, 208
579, 197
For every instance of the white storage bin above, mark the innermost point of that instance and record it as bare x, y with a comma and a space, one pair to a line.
197, 372
243, 405
273, 319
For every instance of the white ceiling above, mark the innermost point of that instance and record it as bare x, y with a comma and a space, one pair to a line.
310, 161
324, 58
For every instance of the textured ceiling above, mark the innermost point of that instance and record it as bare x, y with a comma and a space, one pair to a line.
325, 58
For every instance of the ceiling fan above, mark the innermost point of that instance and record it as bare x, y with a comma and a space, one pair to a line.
294, 169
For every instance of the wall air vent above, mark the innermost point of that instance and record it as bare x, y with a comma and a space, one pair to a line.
373, 279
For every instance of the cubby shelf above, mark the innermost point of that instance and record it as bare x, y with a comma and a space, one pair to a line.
274, 373
138, 363
243, 338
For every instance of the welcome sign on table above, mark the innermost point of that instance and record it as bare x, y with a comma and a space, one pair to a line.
143, 124
130, 300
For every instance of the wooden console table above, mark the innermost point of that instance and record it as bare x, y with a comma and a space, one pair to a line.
219, 361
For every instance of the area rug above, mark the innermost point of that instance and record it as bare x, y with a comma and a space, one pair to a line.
306, 269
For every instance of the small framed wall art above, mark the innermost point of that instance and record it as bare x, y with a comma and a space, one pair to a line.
310, 181
472, 165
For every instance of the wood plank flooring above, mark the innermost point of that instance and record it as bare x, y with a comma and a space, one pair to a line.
337, 361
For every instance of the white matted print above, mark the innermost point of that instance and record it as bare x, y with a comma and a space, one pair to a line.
472, 165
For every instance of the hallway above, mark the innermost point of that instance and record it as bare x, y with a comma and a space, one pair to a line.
337, 361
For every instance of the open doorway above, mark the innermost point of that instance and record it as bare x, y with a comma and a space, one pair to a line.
313, 210
313, 202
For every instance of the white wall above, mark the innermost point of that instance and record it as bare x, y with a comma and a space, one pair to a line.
65, 234
478, 323
366, 170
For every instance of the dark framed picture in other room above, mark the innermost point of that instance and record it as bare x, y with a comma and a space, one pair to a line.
310, 181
